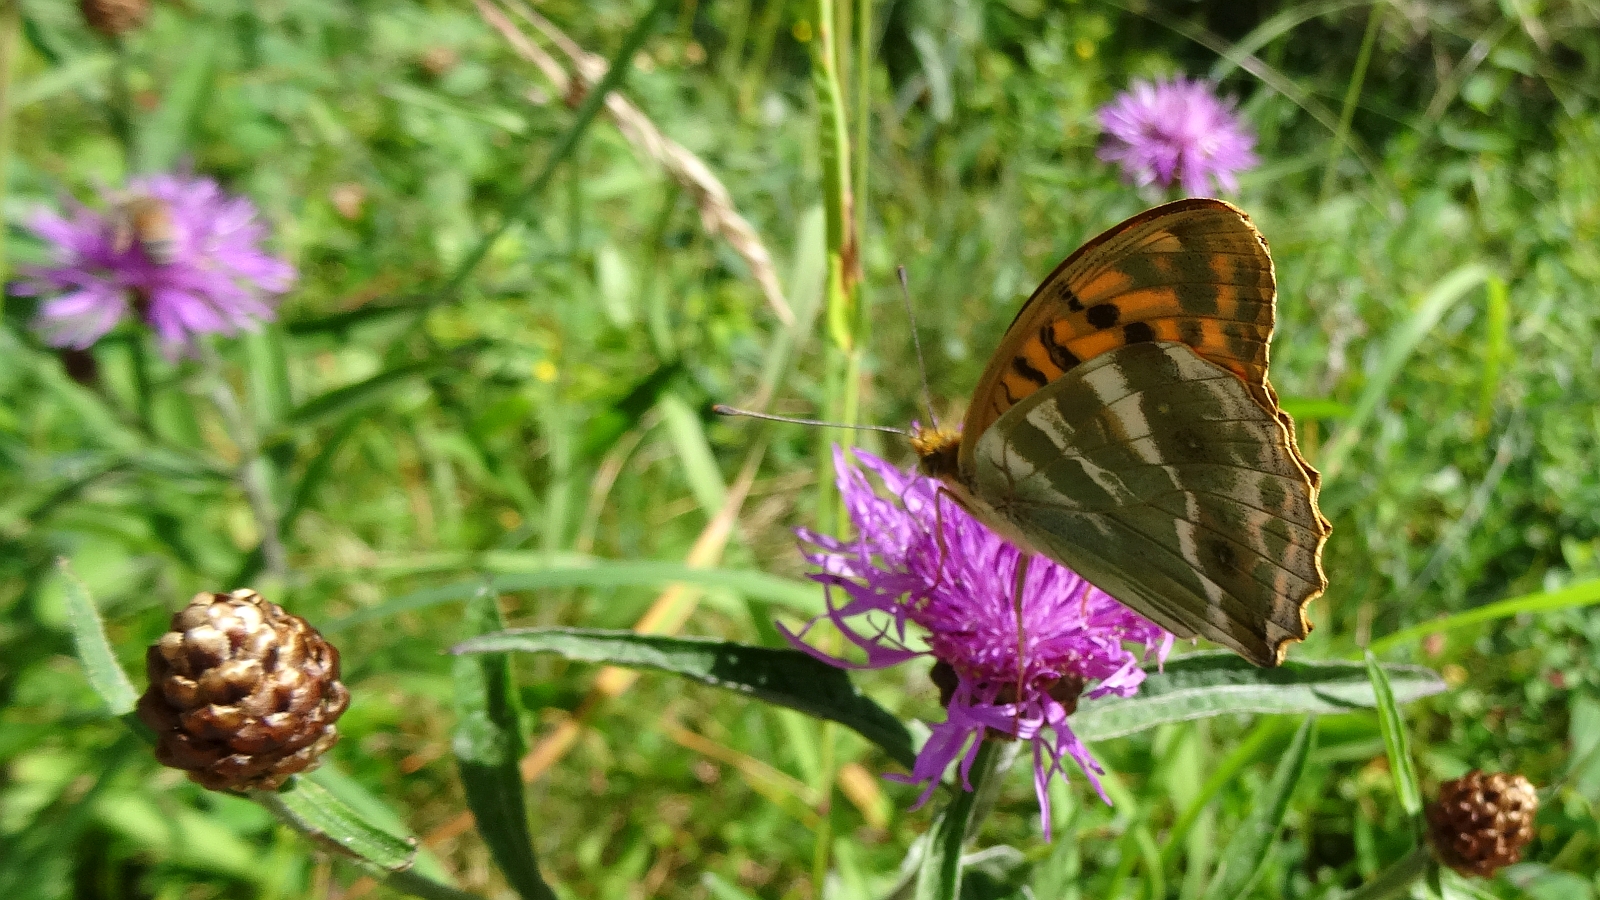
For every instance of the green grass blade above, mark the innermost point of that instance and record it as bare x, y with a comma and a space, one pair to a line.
94, 650
1201, 685
787, 678
1313, 408
1584, 593
163, 139
1496, 347
688, 436
1245, 753
1395, 743
1247, 851
801, 596
352, 397
488, 745
1402, 343
940, 876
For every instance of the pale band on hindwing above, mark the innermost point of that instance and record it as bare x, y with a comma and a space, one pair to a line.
1156, 475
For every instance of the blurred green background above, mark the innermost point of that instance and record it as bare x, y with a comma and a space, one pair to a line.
1430, 186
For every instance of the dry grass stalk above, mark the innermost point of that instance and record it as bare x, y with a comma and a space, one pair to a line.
717, 213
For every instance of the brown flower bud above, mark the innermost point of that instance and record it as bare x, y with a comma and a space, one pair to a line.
1480, 823
114, 17
242, 694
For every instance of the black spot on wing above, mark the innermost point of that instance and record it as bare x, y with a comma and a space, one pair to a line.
1103, 315
1063, 358
1068, 297
1021, 366
1138, 332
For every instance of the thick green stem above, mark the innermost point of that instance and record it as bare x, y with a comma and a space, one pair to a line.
940, 878
253, 473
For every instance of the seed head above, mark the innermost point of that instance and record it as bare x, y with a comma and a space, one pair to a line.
114, 17
242, 694
1480, 823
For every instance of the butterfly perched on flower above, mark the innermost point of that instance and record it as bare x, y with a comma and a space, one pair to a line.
1125, 428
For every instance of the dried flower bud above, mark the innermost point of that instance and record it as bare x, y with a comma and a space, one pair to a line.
114, 17
1480, 823
438, 60
242, 694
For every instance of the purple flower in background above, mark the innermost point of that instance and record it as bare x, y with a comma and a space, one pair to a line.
1177, 130
962, 594
176, 250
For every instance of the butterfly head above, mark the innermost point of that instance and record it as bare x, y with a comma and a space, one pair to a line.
938, 450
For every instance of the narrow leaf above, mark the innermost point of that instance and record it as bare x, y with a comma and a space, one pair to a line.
1395, 743
311, 810
1201, 685
940, 877
94, 650
488, 744
1247, 850
1584, 593
787, 678
1401, 343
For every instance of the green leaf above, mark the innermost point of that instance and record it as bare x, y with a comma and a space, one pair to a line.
787, 678
1584, 593
374, 810
163, 139
311, 810
488, 745
94, 651
1246, 853
1211, 684
1395, 743
328, 821
801, 596
940, 875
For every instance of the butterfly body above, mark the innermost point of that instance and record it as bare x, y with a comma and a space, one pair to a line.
1125, 428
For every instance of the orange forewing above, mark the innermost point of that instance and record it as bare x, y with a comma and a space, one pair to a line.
1194, 271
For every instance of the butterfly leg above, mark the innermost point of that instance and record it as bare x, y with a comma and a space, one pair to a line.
938, 526
1022, 639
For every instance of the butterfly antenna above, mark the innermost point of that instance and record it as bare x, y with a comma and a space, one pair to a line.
724, 410
922, 367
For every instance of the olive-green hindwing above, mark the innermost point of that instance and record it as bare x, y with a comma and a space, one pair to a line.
1155, 474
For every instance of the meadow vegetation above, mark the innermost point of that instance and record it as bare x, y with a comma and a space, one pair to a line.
498, 361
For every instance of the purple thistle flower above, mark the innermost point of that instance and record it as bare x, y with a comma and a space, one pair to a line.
962, 593
1180, 130
209, 276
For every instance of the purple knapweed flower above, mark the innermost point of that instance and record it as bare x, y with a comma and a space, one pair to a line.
196, 267
1177, 130
962, 592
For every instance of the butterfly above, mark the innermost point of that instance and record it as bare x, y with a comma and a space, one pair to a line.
1125, 428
